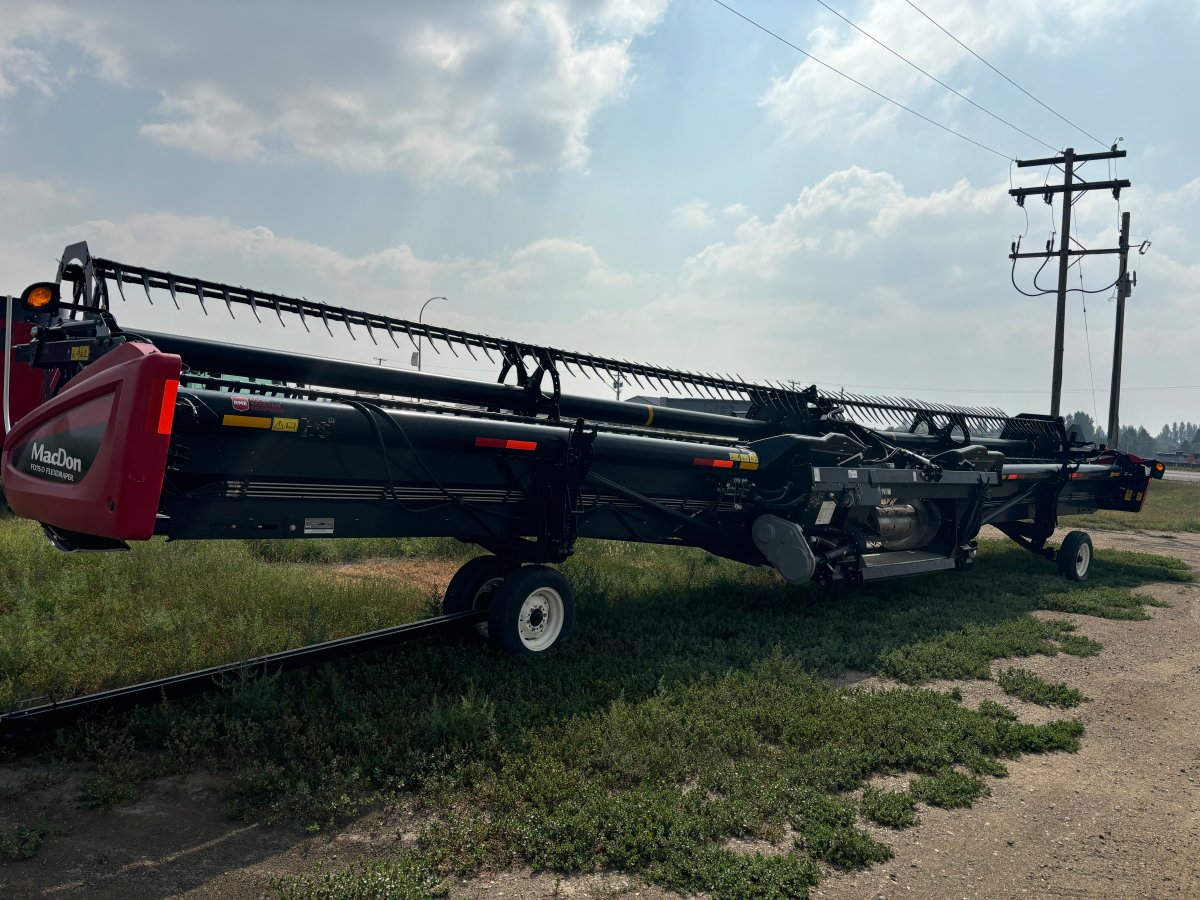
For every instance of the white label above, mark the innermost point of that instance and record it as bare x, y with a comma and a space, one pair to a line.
57, 457
853, 473
825, 516
816, 474
318, 526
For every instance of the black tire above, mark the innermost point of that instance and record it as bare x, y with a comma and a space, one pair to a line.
1074, 557
532, 611
474, 585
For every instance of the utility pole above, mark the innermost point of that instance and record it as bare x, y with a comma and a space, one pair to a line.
1069, 188
617, 384
1124, 287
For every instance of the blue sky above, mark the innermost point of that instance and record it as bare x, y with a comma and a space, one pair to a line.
658, 181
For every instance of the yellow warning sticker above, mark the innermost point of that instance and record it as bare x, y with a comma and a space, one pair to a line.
246, 421
744, 459
81, 354
1129, 495
278, 424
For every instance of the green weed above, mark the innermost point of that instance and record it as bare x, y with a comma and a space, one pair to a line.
23, 841
1031, 688
894, 809
948, 789
406, 878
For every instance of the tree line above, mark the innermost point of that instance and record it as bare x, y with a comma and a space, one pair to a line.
1183, 436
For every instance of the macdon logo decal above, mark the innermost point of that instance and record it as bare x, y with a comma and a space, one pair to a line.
258, 404
54, 462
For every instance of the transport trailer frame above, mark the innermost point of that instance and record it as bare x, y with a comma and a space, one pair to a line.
140, 434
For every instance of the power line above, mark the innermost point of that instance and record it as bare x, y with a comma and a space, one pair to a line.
1002, 75
1088, 335
932, 77
881, 96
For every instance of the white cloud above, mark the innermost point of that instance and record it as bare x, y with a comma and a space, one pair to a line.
811, 102
469, 93
695, 214
837, 217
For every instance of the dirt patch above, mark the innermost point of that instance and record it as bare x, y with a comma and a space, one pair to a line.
428, 574
1120, 818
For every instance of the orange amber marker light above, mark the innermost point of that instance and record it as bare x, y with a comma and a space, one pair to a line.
39, 298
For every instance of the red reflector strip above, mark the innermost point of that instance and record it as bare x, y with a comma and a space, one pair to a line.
1012, 477
715, 463
166, 412
502, 444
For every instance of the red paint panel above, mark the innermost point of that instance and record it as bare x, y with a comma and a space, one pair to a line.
25, 387
85, 460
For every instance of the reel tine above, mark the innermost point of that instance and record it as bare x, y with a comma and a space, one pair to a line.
200, 296
300, 310
370, 331
171, 288
279, 315
228, 305
146, 287
253, 303
483, 347
118, 275
781, 397
449, 343
325, 319
788, 397
346, 322
392, 334
467, 345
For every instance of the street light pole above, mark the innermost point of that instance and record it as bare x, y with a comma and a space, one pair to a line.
419, 315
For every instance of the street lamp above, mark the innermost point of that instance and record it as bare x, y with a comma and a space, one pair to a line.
419, 315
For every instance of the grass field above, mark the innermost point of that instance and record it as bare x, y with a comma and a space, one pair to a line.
694, 703
1170, 506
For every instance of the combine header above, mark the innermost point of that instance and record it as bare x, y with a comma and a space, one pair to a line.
120, 436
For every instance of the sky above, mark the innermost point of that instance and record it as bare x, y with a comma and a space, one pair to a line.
657, 181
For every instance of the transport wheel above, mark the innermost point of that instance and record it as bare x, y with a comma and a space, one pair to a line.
474, 585
532, 610
1074, 557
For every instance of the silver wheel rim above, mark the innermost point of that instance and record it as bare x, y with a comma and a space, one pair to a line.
1083, 558
483, 597
541, 619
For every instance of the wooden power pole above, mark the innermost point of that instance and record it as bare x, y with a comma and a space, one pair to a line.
1124, 287
1069, 188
